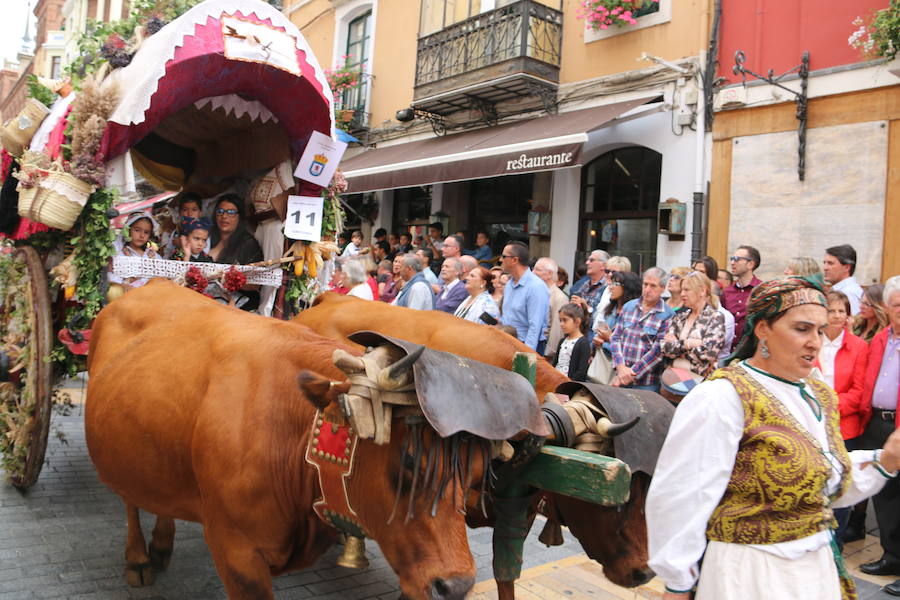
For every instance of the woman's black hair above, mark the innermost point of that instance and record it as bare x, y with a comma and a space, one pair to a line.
631, 289
574, 311
710, 266
242, 247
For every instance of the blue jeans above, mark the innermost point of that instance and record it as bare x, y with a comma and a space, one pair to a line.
651, 388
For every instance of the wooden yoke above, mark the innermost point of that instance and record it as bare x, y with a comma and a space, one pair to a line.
590, 477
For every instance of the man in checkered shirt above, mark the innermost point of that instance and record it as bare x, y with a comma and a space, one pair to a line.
637, 337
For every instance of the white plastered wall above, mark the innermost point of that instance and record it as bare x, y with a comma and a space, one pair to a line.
677, 178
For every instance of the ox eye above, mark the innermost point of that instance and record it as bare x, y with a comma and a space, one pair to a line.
408, 462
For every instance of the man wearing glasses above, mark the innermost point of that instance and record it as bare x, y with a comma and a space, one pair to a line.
743, 262
526, 299
587, 295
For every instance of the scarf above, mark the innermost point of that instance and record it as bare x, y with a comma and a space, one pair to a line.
403, 296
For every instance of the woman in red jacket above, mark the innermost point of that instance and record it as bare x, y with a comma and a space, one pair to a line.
843, 359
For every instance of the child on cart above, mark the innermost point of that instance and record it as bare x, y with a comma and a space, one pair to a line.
193, 239
136, 240
189, 207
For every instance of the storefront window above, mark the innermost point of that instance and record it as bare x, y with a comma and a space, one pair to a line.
619, 198
412, 207
500, 207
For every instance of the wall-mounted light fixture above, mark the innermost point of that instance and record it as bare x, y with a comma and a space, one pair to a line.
438, 123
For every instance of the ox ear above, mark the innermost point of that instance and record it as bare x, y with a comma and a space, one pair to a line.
320, 391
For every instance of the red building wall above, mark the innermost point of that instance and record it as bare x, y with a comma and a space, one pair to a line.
774, 33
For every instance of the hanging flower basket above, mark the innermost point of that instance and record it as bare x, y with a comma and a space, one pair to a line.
18, 131
603, 14
879, 35
54, 198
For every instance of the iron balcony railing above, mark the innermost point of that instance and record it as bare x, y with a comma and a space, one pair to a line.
519, 30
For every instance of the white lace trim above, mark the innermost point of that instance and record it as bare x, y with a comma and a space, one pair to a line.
139, 80
237, 106
75, 193
135, 266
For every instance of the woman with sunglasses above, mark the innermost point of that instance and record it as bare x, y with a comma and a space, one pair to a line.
872, 317
233, 244
696, 332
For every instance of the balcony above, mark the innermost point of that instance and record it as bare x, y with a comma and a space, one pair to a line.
352, 121
504, 54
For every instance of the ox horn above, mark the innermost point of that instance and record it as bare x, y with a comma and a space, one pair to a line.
607, 428
405, 364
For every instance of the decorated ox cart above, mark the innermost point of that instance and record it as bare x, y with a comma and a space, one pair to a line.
223, 96
227, 96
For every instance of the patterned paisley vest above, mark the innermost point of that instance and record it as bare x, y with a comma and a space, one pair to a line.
777, 488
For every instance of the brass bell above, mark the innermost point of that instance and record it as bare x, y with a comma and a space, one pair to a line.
551, 535
354, 555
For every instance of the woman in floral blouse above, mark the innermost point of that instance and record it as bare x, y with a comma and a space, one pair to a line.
697, 332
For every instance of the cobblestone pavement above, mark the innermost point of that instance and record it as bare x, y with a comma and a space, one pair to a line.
65, 538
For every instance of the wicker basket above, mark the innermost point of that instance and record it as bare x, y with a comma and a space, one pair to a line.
56, 201
16, 134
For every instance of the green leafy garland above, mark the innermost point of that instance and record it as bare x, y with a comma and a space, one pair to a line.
93, 248
114, 42
40, 92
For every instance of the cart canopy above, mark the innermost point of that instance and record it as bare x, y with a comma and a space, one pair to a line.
229, 86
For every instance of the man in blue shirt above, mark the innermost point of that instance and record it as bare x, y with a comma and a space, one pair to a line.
482, 251
526, 299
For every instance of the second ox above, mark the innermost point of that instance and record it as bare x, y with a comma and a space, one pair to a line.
615, 537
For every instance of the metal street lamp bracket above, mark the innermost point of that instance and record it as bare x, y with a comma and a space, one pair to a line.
801, 98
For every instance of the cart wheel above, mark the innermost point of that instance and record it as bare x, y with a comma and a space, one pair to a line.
26, 384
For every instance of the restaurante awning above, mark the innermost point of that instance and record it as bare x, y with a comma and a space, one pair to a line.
539, 144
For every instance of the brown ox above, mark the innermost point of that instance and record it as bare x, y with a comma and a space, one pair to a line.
614, 537
194, 413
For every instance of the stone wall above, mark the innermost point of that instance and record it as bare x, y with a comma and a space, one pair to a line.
840, 202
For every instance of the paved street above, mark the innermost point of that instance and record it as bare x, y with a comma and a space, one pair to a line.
65, 539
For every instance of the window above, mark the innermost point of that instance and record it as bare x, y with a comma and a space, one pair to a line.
439, 14
655, 13
499, 206
646, 10
619, 201
359, 32
55, 67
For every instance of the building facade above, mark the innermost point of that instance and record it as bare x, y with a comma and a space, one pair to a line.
850, 190
514, 118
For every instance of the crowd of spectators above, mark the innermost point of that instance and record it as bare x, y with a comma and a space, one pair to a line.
661, 331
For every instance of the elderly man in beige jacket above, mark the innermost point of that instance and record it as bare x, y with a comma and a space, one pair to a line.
547, 271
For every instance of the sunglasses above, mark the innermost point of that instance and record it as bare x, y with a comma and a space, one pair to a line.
614, 284
737, 258
226, 211
507, 256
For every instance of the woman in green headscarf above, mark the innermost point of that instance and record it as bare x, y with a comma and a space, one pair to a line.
754, 463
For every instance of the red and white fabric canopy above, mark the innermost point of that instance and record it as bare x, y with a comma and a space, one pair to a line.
241, 56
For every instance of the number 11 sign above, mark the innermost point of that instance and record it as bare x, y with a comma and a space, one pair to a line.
304, 218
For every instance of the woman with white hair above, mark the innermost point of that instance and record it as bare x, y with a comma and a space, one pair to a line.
356, 278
